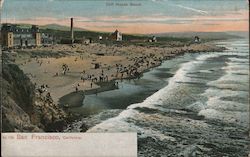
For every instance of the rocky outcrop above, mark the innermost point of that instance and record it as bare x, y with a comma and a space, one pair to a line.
23, 109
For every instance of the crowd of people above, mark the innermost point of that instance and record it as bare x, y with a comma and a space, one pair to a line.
131, 69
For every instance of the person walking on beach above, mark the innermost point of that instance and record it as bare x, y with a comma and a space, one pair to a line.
65, 68
91, 84
82, 78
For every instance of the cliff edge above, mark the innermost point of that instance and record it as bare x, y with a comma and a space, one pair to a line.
24, 109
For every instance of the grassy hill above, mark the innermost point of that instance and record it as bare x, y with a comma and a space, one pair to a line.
60, 27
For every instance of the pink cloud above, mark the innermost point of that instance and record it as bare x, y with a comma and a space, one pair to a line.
151, 24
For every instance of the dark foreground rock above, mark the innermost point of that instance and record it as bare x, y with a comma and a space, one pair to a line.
23, 109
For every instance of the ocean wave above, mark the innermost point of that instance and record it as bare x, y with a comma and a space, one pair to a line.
237, 117
220, 95
154, 101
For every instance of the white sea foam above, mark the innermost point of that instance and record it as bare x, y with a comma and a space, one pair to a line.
197, 106
239, 60
218, 104
218, 93
236, 77
119, 123
234, 84
215, 108
206, 56
240, 118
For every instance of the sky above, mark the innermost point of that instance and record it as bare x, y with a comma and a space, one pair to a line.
151, 16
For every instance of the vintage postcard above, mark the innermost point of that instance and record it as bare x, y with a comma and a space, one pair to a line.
125, 78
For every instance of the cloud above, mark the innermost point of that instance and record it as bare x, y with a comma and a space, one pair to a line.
150, 24
183, 7
158, 1
241, 16
145, 28
192, 9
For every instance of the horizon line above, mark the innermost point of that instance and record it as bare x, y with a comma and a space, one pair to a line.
89, 30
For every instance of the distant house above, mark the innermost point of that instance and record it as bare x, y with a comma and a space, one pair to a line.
117, 36
100, 37
153, 39
197, 39
16, 36
88, 41
13, 35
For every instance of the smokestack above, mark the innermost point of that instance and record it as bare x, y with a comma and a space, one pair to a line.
72, 30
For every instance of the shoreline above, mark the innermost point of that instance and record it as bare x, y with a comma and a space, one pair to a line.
129, 62
75, 99
110, 85
55, 89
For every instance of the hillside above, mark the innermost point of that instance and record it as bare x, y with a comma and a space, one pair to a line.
60, 27
23, 109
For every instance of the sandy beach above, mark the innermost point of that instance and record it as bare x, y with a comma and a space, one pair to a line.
67, 69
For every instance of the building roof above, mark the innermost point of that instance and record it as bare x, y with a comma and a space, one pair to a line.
116, 32
19, 30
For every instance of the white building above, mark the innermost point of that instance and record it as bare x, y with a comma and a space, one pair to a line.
116, 36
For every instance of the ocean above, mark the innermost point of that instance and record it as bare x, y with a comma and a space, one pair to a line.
192, 105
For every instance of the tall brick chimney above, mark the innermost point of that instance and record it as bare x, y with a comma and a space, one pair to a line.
72, 30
